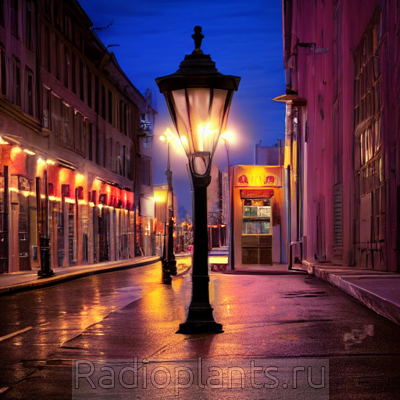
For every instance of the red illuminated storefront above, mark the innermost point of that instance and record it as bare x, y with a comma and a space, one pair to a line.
87, 219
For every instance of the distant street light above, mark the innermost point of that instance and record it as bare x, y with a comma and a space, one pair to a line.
168, 259
199, 98
226, 137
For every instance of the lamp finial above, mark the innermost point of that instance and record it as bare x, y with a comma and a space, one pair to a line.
198, 37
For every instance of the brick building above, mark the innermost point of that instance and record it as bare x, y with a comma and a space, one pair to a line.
75, 134
342, 159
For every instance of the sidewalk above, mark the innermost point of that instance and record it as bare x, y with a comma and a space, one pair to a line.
26, 280
378, 290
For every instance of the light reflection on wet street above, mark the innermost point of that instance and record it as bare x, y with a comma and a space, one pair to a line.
127, 314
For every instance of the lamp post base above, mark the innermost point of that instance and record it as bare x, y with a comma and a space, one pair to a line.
166, 276
193, 327
45, 270
200, 320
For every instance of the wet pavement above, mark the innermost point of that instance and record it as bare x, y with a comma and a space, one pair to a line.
113, 336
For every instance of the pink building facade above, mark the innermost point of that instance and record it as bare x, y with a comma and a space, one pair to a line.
342, 142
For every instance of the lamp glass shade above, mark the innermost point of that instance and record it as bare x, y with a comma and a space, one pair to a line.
199, 115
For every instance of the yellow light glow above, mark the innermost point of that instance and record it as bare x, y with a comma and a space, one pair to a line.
218, 260
79, 179
31, 153
100, 206
163, 138
3, 141
82, 202
91, 204
228, 136
50, 162
16, 150
68, 200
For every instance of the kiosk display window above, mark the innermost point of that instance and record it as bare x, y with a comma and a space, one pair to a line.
256, 217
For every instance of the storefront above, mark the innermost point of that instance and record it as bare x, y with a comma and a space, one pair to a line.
86, 219
257, 208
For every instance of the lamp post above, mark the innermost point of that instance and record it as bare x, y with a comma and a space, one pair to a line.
229, 206
168, 260
44, 239
198, 99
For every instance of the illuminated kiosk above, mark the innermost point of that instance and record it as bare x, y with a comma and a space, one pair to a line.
258, 230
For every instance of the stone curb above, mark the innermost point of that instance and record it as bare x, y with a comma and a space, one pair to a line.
55, 279
373, 301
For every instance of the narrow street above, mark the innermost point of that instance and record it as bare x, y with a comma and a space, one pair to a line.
287, 326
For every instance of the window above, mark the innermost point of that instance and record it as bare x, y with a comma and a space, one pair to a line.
145, 171
368, 159
73, 69
103, 101
81, 81
256, 217
3, 75
110, 107
367, 100
96, 94
90, 131
97, 146
2, 13
110, 163
89, 87
80, 133
46, 50
14, 17
68, 27
118, 158
58, 16
124, 161
47, 8
57, 58
16, 81
46, 107
29, 75
67, 65
29, 25
122, 117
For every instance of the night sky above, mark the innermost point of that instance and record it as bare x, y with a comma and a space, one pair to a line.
151, 37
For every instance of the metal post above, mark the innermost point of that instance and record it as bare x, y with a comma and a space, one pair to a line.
44, 241
166, 277
200, 316
4, 250
168, 261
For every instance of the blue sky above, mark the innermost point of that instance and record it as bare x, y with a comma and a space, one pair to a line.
244, 38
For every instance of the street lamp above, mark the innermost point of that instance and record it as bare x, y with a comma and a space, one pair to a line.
225, 136
198, 99
168, 260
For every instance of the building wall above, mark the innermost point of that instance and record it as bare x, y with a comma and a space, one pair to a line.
71, 127
342, 75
